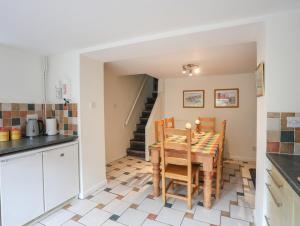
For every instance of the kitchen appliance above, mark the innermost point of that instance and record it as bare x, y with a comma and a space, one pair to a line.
51, 126
34, 127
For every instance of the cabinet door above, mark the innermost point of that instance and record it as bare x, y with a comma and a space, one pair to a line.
21, 190
61, 177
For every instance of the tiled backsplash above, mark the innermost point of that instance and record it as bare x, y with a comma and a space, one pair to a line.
14, 115
280, 137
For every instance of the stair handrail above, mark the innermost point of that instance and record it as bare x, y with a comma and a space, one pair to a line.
135, 101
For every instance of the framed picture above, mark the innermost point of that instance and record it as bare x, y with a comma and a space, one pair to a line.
226, 98
193, 98
260, 80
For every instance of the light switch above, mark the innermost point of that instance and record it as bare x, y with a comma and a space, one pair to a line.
293, 122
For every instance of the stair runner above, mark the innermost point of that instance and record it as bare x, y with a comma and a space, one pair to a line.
137, 144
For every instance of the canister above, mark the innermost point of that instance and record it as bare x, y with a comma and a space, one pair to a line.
4, 134
15, 134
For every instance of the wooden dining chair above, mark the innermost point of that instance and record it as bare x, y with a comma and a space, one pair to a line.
207, 124
170, 122
159, 124
219, 161
177, 165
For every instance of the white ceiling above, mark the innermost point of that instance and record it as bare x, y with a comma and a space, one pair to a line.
217, 60
55, 26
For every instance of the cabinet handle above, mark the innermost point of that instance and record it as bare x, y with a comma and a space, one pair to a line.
278, 204
267, 220
62, 155
273, 179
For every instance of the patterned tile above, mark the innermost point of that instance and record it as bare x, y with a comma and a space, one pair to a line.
140, 207
273, 146
287, 136
287, 148
273, 136
284, 116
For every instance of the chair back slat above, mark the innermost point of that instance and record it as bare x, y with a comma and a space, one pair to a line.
170, 122
207, 124
159, 124
184, 146
222, 141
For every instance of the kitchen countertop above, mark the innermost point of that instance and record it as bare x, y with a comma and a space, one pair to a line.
289, 167
27, 144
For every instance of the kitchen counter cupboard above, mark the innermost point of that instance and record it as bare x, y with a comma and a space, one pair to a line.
34, 182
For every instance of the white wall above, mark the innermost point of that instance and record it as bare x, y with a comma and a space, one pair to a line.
280, 48
241, 128
63, 67
92, 132
261, 138
120, 93
282, 62
21, 76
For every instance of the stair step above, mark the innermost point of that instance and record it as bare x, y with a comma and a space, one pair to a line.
154, 94
137, 145
149, 107
137, 153
139, 136
143, 120
150, 100
140, 127
146, 113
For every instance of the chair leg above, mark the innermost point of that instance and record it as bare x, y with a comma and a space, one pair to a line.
189, 194
163, 189
197, 182
218, 182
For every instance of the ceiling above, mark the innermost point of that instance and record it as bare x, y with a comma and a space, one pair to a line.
217, 60
55, 26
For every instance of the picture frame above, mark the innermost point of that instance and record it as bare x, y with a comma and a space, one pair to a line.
227, 98
260, 80
193, 98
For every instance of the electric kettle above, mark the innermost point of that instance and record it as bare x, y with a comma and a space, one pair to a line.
34, 127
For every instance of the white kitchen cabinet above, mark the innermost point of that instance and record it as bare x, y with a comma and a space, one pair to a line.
61, 175
21, 189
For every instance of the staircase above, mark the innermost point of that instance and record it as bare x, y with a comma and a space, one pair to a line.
137, 144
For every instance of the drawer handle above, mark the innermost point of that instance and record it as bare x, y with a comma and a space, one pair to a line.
278, 204
273, 179
267, 220
62, 155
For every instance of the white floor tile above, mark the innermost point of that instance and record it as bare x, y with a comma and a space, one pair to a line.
151, 206
95, 217
247, 201
221, 204
37, 224
211, 216
242, 213
170, 216
226, 221
133, 217
112, 223
58, 218
103, 197
71, 223
81, 207
135, 197
116, 207
112, 184
182, 205
190, 222
121, 190
149, 222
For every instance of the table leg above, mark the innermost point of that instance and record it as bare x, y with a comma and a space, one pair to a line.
207, 190
156, 172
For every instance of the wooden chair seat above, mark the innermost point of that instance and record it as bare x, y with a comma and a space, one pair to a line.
178, 172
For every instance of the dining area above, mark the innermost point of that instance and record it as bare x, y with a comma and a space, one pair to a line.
188, 159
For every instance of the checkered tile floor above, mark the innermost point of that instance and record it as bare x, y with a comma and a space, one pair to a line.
127, 200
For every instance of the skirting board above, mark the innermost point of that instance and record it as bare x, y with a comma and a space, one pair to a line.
84, 194
245, 159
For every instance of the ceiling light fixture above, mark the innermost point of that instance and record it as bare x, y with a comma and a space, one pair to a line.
191, 69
